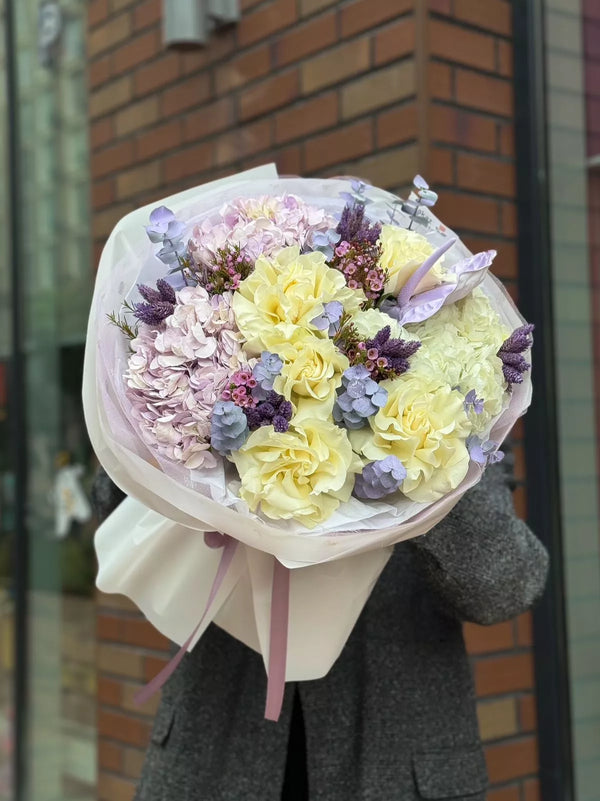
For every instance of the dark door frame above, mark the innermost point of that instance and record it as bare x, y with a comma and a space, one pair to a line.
16, 406
541, 430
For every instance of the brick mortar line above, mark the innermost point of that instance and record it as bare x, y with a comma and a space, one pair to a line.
470, 26
489, 154
436, 58
454, 104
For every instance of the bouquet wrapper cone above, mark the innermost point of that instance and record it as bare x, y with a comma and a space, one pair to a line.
325, 600
152, 548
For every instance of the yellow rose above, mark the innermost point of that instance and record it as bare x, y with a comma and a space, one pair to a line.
402, 251
425, 426
303, 474
284, 294
311, 373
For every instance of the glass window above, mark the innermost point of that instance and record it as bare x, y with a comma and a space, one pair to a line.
56, 270
573, 101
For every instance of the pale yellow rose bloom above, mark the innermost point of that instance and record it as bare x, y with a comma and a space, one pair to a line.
284, 294
402, 251
425, 426
312, 371
303, 474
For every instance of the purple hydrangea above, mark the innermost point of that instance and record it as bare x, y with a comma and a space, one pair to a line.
484, 452
160, 303
324, 242
330, 318
358, 398
265, 372
473, 402
229, 427
514, 363
379, 479
274, 410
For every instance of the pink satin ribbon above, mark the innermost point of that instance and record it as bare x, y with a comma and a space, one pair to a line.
280, 608
214, 540
280, 605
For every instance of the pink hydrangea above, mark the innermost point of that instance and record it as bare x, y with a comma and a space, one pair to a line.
259, 226
177, 372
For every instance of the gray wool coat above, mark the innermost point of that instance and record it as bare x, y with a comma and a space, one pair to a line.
394, 719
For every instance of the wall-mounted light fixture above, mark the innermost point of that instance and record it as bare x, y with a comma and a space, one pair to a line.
190, 22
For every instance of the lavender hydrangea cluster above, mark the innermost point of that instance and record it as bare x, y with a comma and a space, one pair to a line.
264, 372
514, 363
379, 479
358, 398
484, 452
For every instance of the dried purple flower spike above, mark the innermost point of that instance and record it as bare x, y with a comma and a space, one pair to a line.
513, 363
160, 303
355, 227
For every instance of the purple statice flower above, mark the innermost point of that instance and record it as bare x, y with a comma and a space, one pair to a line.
160, 303
355, 227
514, 363
274, 410
379, 479
229, 427
358, 398
330, 318
484, 452
264, 372
473, 402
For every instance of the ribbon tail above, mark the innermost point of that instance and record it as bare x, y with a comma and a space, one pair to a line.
280, 608
160, 679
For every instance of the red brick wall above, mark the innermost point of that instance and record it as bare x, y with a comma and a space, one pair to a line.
370, 87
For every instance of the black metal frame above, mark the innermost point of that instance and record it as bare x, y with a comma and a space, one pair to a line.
16, 403
541, 431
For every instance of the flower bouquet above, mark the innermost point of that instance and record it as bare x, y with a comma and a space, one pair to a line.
287, 377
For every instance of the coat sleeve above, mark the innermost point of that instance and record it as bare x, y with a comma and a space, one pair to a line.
484, 563
106, 496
